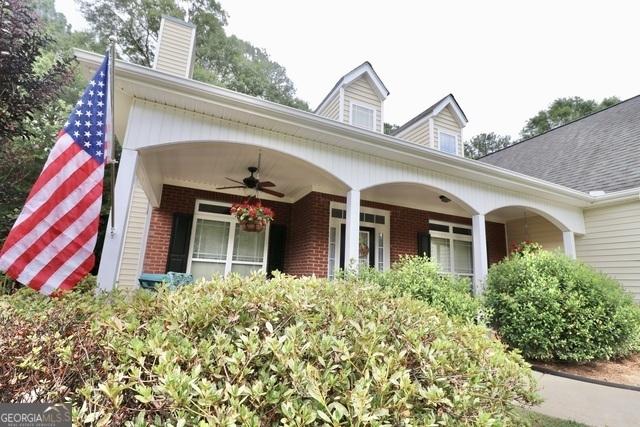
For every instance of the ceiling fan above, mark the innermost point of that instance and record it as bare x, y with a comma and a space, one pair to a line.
253, 182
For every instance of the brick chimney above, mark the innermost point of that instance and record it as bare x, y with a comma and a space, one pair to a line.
175, 53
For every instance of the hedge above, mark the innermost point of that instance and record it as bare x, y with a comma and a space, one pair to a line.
555, 308
257, 352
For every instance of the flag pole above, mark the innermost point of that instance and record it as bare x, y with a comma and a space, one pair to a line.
112, 67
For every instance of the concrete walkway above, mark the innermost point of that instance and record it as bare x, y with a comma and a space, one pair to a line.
591, 404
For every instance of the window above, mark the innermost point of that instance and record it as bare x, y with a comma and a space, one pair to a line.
448, 143
362, 116
452, 247
219, 246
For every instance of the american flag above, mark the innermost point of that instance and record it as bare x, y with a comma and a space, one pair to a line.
50, 246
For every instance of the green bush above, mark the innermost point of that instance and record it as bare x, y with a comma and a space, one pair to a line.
555, 308
420, 278
255, 352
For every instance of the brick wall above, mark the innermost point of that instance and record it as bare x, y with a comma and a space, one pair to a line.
307, 236
307, 222
183, 200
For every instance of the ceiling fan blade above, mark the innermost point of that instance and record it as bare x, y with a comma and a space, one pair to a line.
233, 186
233, 180
272, 192
266, 184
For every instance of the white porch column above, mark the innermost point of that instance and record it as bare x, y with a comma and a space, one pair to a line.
113, 242
352, 230
480, 263
569, 240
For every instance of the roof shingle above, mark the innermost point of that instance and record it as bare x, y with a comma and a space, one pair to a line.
600, 151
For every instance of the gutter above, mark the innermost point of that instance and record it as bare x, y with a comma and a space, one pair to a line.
618, 197
389, 144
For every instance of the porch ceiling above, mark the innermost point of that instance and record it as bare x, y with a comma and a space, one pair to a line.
205, 166
413, 196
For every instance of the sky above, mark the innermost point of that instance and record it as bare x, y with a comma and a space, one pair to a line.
503, 60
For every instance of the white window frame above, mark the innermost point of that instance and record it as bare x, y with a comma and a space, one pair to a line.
229, 262
367, 106
385, 229
451, 236
455, 138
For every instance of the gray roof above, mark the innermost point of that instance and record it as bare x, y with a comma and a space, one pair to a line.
600, 151
426, 113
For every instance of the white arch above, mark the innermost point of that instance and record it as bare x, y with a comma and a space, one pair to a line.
449, 192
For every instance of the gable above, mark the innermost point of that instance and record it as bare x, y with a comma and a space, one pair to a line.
361, 92
446, 122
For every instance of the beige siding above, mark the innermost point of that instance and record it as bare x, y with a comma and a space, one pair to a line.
419, 134
332, 109
360, 91
446, 122
537, 229
612, 243
174, 50
134, 238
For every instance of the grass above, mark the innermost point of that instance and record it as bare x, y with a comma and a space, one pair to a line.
534, 419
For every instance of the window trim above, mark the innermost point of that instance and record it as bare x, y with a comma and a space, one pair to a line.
228, 262
455, 138
363, 105
451, 236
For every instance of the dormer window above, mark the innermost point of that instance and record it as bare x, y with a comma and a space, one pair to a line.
362, 117
448, 143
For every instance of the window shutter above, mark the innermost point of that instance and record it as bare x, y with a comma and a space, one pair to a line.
179, 244
275, 252
424, 244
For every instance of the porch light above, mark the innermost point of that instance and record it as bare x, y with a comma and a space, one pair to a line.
444, 199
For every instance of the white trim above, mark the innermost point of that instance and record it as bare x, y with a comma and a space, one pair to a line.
157, 49
385, 229
191, 57
455, 139
361, 104
432, 133
341, 100
449, 101
145, 236
381, 117
373, 143
228, 262
365, 68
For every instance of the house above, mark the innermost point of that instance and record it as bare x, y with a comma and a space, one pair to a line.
350, 195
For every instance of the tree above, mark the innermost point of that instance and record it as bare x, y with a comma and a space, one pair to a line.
389, 128
220, 59
485, 143
28, 79
562, 111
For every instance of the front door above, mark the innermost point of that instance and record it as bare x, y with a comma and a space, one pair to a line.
366, 246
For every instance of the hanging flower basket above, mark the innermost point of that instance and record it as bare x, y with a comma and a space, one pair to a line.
251, 215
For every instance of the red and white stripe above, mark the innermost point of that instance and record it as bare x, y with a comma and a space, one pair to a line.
50, 246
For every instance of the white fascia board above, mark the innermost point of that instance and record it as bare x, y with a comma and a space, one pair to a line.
458, 113
360, 140
365, 69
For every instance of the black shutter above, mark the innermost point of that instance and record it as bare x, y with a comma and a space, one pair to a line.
424, 243
275, 251
179, 244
